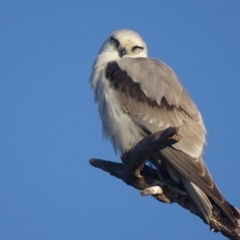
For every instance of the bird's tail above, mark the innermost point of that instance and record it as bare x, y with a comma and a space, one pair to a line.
199, 183
198, 197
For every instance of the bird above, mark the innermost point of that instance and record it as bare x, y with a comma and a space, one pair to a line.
137, 96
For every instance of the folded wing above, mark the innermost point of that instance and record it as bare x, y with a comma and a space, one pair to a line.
151, 94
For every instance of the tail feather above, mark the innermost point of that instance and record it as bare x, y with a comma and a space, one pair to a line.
199, 198
195, 171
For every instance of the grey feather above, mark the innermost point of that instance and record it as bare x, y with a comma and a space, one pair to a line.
151, 94
159, 81
199, 197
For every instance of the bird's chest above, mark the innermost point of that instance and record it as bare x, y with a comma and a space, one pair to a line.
116, 124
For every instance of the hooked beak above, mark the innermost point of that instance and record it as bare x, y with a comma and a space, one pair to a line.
122, 52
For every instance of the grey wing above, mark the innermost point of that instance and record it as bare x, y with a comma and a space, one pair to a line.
151, 93
167, 103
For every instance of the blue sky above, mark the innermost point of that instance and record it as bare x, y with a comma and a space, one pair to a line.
49, 124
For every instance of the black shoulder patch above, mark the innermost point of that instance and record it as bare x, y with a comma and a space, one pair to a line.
121, 81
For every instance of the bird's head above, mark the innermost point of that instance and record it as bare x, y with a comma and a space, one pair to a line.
124, 43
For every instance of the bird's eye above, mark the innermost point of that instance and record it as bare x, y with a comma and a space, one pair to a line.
114, 42
137, 49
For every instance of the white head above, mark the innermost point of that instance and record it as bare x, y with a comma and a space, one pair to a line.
124, 43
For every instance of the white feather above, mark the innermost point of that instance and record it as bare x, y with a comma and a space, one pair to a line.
116, 125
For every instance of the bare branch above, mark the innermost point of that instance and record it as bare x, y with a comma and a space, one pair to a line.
147, 146
138, 175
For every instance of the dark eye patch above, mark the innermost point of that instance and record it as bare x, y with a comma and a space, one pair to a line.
115, 42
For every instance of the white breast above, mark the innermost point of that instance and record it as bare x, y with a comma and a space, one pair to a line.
116, 125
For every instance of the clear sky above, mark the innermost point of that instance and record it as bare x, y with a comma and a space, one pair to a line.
50, 128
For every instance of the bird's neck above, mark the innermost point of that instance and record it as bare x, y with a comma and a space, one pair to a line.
106, 57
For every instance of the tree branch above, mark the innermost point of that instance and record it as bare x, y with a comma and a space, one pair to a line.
135, 173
